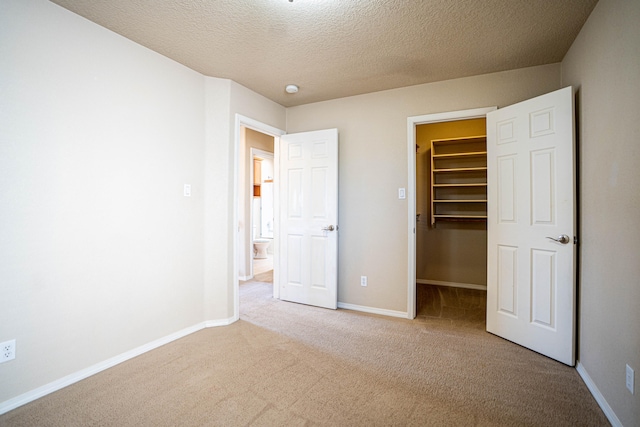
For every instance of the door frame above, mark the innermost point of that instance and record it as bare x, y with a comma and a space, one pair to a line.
243, 121
412, 122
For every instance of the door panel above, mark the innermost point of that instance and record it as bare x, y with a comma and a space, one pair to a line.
507, 280
531, 196
309, 249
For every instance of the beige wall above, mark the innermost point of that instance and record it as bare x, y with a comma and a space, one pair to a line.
373, 165
450, 251
224, 100
100, 252
604, 65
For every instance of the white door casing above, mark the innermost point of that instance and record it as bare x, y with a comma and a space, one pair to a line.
241, 121
308, 171
412, 122
531, 199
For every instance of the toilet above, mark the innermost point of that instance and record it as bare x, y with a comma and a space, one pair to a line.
260, 247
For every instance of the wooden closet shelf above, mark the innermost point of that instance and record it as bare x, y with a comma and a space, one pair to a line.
461, 217
462, 156
479, 184
468, 154
461, 201
475, 169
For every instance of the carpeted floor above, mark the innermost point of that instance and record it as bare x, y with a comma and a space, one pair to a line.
287, 364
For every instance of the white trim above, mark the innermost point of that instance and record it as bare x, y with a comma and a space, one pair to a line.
452, 284
373, 310
73, 378
411, 209
248, 228
412, 122
608, 412
219, 322
240, 121
58, 384
245, 278
258, 152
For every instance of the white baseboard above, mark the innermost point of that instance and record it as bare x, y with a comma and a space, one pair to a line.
63, 382
452, 284
245, 278
373, 310
608, 412
221, 322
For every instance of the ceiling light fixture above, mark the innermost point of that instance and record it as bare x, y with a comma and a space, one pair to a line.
291, 89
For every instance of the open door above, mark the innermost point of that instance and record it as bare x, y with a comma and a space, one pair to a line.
531, 224
308, 171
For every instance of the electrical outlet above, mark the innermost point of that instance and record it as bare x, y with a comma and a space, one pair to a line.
7, 351
629, 378
363, 280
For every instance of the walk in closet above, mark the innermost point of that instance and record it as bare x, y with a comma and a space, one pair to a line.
451, 203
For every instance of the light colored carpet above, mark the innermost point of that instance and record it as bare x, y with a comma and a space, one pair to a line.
287, 364
265, 277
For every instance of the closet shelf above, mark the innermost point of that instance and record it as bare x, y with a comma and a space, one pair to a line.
461, 201
474, 184
461, 217
469, 154
476, 169
459, 179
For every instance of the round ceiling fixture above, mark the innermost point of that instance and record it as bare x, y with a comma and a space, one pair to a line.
291, 89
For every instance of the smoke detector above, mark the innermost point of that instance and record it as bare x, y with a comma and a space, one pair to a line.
291, 89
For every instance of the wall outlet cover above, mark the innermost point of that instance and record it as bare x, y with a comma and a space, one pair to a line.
629, 379
7, 351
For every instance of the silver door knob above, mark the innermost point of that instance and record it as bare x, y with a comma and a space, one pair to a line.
328, 228
563, 238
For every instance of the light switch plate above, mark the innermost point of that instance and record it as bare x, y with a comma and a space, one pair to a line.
402, 193
187, 190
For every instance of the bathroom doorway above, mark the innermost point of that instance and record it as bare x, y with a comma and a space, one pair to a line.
243, 194
262, 212
256, 222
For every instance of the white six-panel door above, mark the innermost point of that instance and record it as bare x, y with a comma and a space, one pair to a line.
309, 213
531, 202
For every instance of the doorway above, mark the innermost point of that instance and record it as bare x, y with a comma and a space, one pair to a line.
261, 215
256, 205
243, 191
319, 146
412, 126
531, 216
451, 228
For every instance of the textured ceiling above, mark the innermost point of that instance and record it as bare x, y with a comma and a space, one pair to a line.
337, 48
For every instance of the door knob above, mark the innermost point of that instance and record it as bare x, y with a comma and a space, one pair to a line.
563, 238
328, 228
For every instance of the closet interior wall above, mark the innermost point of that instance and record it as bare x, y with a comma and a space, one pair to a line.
450, 252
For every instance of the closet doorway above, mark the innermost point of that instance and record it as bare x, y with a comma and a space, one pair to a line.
447, 239
451, 226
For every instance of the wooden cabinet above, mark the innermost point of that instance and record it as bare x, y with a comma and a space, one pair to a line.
257, 177
459, 179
